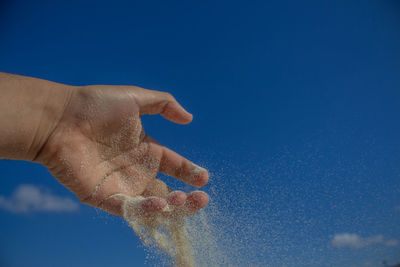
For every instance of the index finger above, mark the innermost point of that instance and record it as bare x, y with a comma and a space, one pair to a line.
173, 164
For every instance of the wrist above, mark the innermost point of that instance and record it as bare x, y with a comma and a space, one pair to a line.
52, 111
30, 109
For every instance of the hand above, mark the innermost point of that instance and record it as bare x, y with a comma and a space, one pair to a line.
99, 149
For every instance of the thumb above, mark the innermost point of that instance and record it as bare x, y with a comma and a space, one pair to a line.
155, 102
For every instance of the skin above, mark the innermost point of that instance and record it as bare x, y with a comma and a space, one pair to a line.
92, 141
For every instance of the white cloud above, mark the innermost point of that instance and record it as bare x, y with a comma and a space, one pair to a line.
356, 241
391, 242
30, 198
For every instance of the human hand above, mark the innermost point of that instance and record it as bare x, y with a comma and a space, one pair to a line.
98, 150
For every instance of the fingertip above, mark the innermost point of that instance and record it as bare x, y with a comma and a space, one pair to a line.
185, 117
197, 200
200, 176
189, 117
176, 113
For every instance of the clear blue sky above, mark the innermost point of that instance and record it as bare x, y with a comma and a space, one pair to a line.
297, 116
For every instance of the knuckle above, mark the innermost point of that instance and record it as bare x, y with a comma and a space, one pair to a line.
168, 96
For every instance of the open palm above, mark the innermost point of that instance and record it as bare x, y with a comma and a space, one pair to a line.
99, 149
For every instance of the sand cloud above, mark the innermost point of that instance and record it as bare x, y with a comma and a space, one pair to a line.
356, 241
30, 198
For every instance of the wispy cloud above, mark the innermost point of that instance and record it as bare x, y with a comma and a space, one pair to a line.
391, 242
30, 198
356, 241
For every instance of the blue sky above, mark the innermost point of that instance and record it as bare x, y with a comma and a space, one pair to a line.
296, 114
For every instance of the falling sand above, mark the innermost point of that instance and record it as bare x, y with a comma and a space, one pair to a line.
208, 238
187, 241
214, 236
165, 230
246, 223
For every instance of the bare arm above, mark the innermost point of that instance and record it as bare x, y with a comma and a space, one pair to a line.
29, 111
92, 140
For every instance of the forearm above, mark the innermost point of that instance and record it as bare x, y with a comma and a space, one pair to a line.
30, 109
